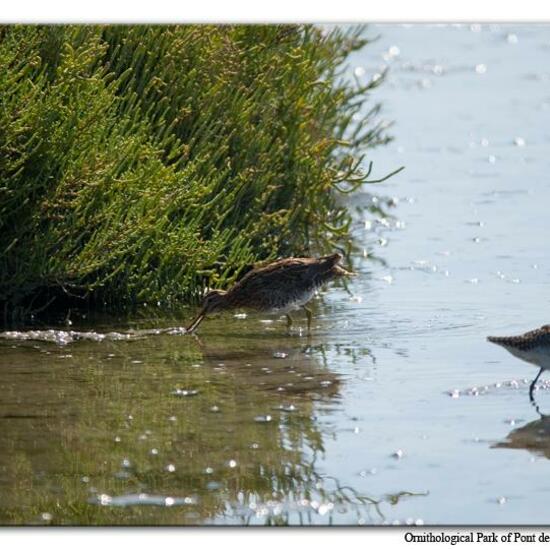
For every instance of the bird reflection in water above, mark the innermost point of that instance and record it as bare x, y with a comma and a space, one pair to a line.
533, 437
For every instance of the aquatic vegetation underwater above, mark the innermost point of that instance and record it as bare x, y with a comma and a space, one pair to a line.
145, 163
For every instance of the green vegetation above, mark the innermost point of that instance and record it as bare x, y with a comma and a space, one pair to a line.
144, 163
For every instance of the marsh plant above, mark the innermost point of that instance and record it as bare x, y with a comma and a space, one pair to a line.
145, 163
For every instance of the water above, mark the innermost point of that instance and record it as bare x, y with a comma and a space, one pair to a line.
396, 409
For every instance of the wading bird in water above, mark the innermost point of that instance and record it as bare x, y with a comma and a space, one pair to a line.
533, 347
280, 286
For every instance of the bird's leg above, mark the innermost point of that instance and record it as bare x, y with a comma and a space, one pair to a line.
288, 320
532, 386
309, 317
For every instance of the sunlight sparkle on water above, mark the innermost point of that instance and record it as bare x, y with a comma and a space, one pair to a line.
481, 68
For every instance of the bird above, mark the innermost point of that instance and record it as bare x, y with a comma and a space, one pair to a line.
280, 286
533, 347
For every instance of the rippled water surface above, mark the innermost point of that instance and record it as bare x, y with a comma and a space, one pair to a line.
396, 409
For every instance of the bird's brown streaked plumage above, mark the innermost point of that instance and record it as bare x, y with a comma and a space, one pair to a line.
533, 347
524, 342
279, 286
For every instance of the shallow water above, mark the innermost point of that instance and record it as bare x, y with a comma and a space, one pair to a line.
396, 409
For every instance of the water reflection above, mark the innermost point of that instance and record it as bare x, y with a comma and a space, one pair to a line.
168, 429
533, 437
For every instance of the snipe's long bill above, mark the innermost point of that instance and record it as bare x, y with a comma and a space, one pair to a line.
280, 286
533, 347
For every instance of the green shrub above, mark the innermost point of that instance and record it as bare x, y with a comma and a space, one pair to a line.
144, 163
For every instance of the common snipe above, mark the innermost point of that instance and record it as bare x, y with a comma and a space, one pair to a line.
280, 286
533, 347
